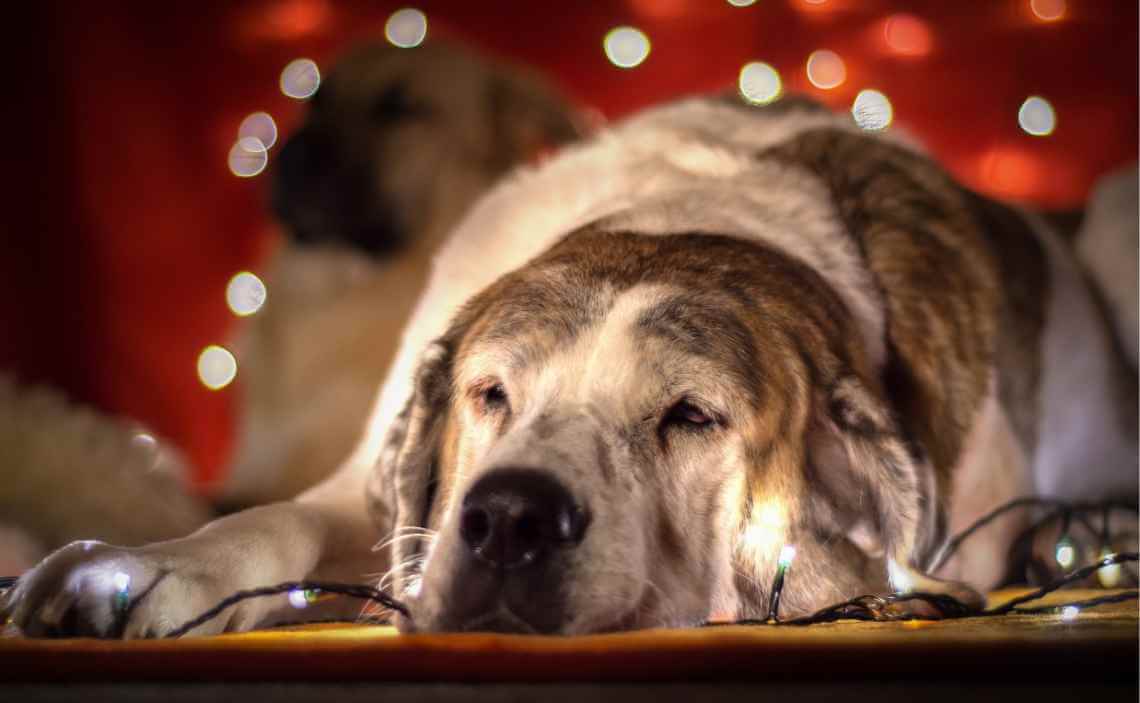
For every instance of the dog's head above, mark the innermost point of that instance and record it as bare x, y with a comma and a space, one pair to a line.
397, 141
628, 430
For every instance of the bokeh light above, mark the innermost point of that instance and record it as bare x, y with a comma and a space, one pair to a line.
825, 69
1010, 171
626, 47
300, 79
248, 157
261, 126
245, 294
216, 367
1066, 554
1037, 117
406, 28
907, 35
144, 441
760, 83
872, 110
1047, 10
1070, 612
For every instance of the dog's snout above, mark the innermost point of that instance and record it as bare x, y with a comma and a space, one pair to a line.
514, 517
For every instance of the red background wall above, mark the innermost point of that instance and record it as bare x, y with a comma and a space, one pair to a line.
124, 223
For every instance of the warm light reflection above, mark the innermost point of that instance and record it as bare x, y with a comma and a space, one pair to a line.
767, 528
900, 580
760, 83
1108, 576
406, 28
825, 69
245, 294
216, 367
907, 35
1047, 10
1037, 117
741, 3
300, 79
872, 110
247, 157
260, 125
626, 47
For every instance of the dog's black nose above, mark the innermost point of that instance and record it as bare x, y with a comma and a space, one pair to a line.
514, 517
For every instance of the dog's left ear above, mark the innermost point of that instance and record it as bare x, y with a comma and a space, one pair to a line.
862, 453
402, 480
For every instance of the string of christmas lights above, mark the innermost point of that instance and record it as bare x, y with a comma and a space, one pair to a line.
889, 608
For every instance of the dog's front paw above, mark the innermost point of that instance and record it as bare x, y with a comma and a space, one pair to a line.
92, 589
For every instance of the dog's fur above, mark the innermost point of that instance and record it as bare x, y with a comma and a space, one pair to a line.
723, 329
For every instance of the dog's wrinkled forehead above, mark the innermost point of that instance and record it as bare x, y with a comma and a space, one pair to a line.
674, 301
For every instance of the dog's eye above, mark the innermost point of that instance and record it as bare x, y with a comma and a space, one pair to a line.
685, 414
494, 397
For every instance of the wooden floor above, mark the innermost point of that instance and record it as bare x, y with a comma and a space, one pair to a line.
1049, 656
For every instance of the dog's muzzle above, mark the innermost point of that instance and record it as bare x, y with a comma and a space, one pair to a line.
517, 526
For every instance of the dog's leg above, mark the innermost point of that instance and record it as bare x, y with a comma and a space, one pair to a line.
95, 589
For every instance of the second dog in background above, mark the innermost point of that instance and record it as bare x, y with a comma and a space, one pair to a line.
395, 146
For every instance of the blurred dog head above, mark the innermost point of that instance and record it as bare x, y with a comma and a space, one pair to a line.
393, 135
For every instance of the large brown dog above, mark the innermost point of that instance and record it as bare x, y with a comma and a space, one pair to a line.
641, 371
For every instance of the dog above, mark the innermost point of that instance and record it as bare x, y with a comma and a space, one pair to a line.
395, 146
642, 371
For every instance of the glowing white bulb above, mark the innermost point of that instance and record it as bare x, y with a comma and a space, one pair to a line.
406, 28
1037, 117
872, 110
300, 79
825, 69
245, 294
298, 599
1066, 555
260, 125
216, 367
787, 554
248, 157
121, 581
626, 47
1070, 612
1108, 576
760, 83
741, 3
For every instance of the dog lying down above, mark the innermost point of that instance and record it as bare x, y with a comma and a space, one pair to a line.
642, 369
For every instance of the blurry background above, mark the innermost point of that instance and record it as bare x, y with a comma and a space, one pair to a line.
124, 221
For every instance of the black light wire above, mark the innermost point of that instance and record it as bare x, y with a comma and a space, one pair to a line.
862, 608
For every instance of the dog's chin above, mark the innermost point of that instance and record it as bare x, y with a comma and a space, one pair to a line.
502, 620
